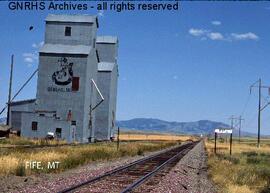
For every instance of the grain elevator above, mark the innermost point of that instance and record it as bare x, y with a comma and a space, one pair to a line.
77, 83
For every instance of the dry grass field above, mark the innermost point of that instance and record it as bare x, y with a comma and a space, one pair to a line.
14, 140
247, 170
154, 137
124, 136
13, 161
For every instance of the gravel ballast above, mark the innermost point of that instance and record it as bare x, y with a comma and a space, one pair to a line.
189, 175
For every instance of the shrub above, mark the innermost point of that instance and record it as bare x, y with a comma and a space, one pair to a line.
265, 155
246, 176
253, 160
20, 170
263, 172
265, 190
250, 153
232, 159
140, 152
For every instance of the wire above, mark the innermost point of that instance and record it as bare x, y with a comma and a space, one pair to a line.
252, 119
22, 87
246, 104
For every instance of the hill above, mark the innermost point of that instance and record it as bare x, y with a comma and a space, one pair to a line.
192, 128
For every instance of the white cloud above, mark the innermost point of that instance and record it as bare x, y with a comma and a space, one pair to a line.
33, 56
197, 32
28, 60
38, 45
244, 36
205, 34
215, 36
216, 22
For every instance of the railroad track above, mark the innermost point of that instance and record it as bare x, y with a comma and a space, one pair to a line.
130, 177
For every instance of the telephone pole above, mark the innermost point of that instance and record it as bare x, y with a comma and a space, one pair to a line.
258, 84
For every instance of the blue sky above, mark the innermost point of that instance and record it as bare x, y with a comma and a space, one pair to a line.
187, 65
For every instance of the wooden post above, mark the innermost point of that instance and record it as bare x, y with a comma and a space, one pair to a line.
215, 143
118, 139
10, 89
231, 144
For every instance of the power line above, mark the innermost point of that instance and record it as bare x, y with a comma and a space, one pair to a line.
258, 84
246, 104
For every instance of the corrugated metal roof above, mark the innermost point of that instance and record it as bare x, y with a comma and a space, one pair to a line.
72, 18
22, 102
107, 39
105, 66
65, 49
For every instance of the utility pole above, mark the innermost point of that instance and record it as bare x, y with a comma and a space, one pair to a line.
240, 125
235, 124
259, 113
215, 150
10, 89
260, 108
233, 118
231, 144
232, 121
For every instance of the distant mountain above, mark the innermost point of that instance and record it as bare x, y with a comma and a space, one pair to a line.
192, 128
160, 126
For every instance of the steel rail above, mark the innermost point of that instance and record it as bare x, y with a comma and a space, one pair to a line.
152, 173
122, 168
